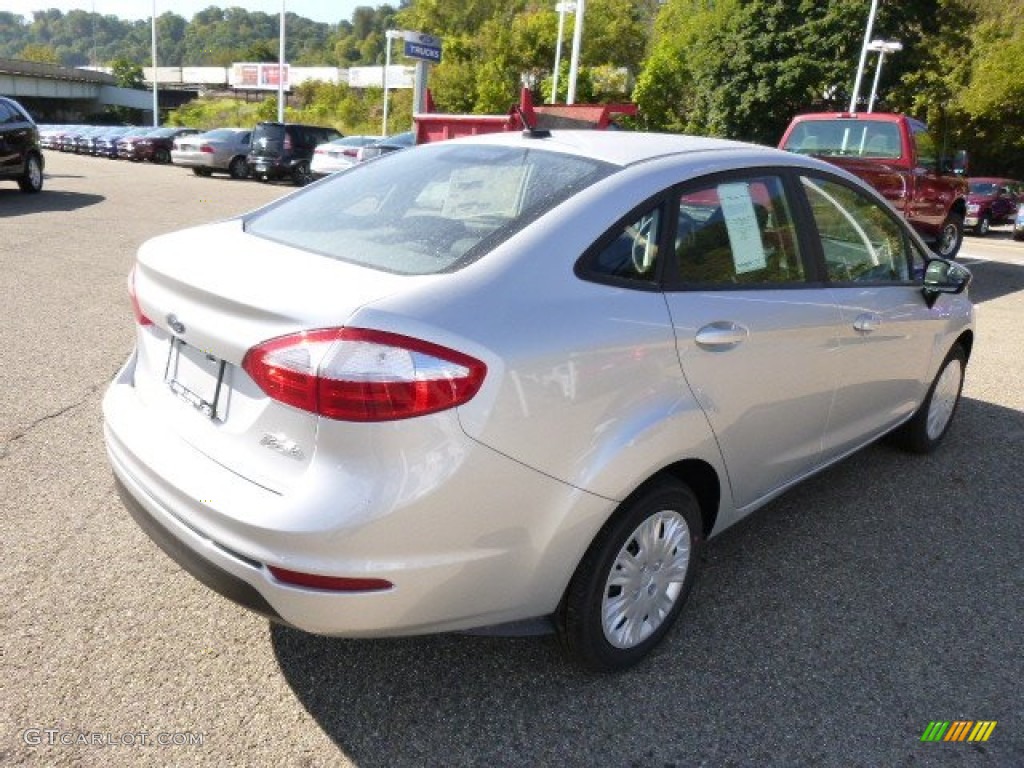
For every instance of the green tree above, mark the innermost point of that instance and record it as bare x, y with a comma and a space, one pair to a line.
127, 73
42, 54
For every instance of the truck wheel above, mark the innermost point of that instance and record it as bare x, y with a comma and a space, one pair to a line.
951, 236
983, 226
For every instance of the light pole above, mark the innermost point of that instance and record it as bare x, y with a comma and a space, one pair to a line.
280, 70
562, 8
156, 106
863, 56
574, 61
883, 47
389, 35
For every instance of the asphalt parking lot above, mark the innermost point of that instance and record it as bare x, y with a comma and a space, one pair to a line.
830, 628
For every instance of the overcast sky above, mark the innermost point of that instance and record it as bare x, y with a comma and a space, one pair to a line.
330, 11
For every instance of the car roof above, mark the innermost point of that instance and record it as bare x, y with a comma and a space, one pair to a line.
622, 147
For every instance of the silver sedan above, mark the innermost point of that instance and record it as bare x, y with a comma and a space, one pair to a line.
520, 378
222, 150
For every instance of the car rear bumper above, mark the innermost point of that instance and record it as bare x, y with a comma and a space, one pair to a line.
475, 542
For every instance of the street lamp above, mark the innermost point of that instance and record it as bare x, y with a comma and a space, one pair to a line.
389, 35
280, 70
574, 61
562, 8
863, 56
156, 106
882, 47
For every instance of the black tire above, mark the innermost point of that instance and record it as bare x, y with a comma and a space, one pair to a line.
951, 236
301, 175
238, 168
31, 181
930, 423
984, 225
593, 620
201, 171
161, 156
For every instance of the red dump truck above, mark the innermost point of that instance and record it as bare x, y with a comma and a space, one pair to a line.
433, 126
898, 156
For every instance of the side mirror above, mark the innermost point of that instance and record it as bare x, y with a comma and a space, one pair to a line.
944, 276
960, 162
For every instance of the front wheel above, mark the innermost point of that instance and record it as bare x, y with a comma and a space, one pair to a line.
950, 237
32, 180
929, 424
984, 225
634, 579
161, 156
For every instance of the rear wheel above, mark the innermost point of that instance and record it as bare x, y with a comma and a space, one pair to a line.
950, 237
238, 168
924, 432
32, 180
634, 579
301, 175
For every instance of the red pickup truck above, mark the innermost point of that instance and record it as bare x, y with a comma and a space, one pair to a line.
896, 155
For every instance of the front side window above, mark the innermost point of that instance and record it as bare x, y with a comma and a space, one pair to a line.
426, 210
737, 232
927, 153
859, 239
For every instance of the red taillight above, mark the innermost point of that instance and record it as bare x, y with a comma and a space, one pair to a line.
320, 151
140, 316
333, 583
355, 374
350, 152
206, 148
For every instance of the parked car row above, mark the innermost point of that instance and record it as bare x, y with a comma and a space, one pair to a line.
127, 142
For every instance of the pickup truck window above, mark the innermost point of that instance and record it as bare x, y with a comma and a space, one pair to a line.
845, 138
860, 241
924, 145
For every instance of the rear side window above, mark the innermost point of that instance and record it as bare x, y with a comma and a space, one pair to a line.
426, 210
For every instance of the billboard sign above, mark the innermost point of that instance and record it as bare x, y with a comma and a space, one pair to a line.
257, 76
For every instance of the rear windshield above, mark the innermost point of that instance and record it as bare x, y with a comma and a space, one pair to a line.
857, 138
429, 209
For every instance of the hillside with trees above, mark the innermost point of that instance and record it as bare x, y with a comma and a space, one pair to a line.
734, 68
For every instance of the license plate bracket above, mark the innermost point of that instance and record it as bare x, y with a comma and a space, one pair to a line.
196, 377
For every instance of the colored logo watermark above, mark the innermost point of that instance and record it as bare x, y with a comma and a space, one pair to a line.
959, 730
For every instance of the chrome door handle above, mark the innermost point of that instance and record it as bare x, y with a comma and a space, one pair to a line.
721, 335
867, 322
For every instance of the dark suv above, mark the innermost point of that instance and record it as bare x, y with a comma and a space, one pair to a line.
21, 159
284, 150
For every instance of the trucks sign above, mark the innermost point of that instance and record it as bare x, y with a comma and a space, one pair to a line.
422, 46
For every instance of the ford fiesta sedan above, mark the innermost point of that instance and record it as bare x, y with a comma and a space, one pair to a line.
511, 377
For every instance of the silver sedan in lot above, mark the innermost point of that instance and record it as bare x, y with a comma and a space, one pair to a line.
222, 150
514, 377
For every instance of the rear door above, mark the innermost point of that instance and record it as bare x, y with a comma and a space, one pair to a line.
753, 330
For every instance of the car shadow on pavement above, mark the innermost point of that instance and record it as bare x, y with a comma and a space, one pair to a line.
818, 631
994, 279
13, 202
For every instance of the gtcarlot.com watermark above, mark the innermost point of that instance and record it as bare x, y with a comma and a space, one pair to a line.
57, 737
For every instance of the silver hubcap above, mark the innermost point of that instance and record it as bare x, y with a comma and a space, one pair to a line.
35, 173
949, 237
646, 579
940, 409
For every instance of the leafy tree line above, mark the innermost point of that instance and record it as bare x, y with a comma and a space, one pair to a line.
733, 68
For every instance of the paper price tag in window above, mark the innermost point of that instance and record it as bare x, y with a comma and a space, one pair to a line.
744, 230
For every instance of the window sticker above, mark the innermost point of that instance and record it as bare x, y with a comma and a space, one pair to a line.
744, 231
480, 191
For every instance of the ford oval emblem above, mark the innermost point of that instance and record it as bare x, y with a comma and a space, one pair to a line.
176, 325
